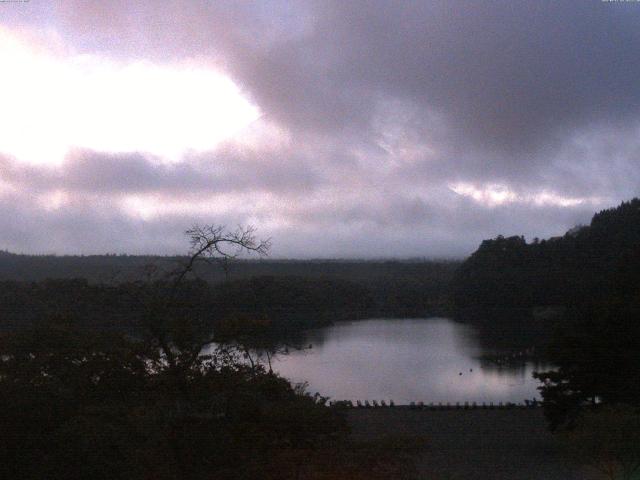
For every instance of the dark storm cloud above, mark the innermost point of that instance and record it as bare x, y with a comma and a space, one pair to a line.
510, 79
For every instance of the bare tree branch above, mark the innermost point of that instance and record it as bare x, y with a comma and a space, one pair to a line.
216, 242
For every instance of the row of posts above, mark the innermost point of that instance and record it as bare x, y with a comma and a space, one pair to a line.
435, 406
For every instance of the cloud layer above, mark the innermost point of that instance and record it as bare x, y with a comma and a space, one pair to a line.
386, 129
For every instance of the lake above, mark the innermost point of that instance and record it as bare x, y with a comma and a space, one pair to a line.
407, 360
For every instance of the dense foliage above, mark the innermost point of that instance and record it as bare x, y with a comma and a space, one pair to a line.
590, 278
289, 303
163, 402
586, 262
78, 404
596, 353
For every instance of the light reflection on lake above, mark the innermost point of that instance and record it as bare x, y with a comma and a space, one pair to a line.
430, 360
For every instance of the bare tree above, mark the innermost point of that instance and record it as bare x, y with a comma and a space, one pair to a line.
178, 335
165, 320
215, 242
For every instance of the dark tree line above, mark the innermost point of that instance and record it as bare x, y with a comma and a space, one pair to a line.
125, 268
586, 263
290, 303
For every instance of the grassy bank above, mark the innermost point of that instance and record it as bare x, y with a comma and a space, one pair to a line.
472, 444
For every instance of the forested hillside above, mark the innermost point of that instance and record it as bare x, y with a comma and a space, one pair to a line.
588, 261
577, 296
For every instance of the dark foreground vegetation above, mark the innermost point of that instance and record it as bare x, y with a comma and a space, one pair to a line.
82, 405
78, 405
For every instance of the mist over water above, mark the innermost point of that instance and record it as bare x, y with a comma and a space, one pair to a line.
429, 360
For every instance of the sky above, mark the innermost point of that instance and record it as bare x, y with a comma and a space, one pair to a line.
338, 129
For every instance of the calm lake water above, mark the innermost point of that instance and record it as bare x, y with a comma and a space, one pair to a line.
429, 360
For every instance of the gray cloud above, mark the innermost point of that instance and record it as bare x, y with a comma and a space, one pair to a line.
86, 171
368, 222
510, 80
387, 105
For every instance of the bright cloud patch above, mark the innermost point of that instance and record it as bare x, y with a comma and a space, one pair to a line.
490, 195
494, 195
52, 102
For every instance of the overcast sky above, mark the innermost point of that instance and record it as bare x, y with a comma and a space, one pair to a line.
337, 128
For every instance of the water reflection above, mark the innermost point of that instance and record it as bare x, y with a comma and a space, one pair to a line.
430, 360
